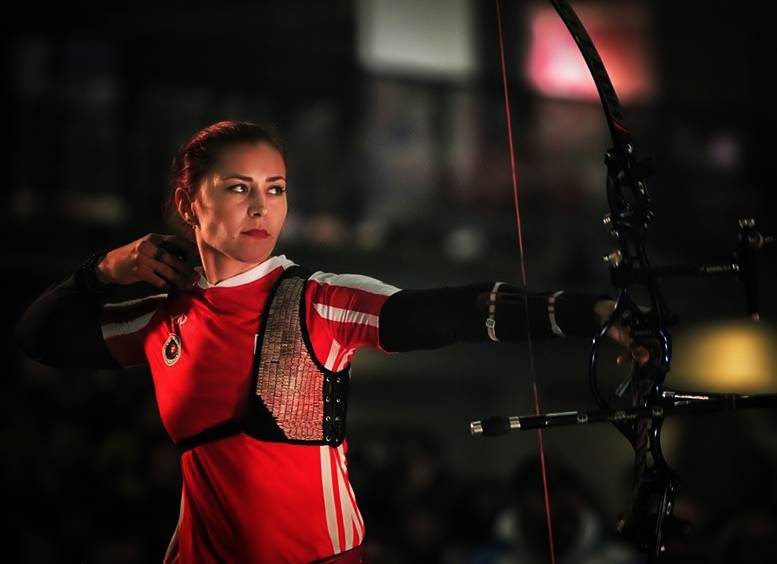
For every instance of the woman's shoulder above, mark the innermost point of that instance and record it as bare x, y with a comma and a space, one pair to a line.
353, 281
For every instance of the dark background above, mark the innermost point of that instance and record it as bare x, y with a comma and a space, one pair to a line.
403, 176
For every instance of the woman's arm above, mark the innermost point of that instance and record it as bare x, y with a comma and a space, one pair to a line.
62, 326
428, 319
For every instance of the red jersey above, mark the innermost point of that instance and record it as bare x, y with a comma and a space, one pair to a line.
246, 500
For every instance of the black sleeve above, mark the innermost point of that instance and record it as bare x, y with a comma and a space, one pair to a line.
429, 319
61, 328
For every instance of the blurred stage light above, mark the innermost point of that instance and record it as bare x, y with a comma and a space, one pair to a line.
464, 244
728, 357
621, 33
430, 39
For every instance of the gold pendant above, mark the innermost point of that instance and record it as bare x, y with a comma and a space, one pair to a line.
171, 350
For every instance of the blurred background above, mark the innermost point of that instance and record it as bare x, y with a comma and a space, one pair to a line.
399, 169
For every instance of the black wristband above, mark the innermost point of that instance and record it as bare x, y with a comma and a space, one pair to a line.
86, 276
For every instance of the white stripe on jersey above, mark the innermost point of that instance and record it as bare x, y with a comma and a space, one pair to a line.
359, 520
351, 515
333, 352
254, 273
116, 305
355, 281
126, 327
346, 358
173, 550
345, 509
329, 498
345, 315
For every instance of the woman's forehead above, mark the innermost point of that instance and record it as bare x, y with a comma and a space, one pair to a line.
261, 158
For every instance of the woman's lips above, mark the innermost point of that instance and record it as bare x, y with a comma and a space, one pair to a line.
257, 233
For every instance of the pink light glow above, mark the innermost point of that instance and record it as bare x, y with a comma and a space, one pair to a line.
555, 67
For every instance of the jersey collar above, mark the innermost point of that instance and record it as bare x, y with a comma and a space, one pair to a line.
254, 273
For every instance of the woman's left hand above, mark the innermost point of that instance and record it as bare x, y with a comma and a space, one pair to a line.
621, 335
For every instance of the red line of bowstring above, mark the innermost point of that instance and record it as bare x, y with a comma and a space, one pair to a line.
524, 280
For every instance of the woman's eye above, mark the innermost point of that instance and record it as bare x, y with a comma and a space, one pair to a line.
234, 186
277, 190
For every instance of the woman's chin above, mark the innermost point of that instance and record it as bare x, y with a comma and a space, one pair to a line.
254, 256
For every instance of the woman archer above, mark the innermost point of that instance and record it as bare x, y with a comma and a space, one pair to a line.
250, 352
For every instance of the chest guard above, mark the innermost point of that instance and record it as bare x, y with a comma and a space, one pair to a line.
293, 397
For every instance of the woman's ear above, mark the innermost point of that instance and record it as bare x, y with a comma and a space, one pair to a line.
183, 204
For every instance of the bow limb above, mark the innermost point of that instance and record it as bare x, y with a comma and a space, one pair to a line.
631, 212
524, 281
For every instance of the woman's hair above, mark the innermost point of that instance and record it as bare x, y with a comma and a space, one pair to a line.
196, 157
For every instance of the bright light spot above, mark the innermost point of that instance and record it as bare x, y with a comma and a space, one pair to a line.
430, 39
730, 357
556, 68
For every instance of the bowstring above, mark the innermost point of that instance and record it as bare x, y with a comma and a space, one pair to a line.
524, 280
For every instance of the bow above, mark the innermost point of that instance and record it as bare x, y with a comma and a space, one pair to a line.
649, 519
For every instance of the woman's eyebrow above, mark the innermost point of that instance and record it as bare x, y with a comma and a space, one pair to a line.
236, 175
249, 179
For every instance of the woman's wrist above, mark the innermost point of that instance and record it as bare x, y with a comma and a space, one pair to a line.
90, 278
101, 270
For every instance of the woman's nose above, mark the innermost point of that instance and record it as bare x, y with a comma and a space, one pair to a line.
258, 205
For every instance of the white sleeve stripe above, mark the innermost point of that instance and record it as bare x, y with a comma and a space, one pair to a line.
113, 305
346, 315
355, 281
125, 328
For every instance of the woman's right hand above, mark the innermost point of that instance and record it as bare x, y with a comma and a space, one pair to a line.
145, 260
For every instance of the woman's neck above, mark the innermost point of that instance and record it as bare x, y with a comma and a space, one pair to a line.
218, 267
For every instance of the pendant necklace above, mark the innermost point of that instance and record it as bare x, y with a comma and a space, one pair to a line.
171, 350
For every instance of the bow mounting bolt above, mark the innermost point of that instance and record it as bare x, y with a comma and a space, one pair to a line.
607, 222
614, 258
747, 222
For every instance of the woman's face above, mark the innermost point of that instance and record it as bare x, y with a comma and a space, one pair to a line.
240, 206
